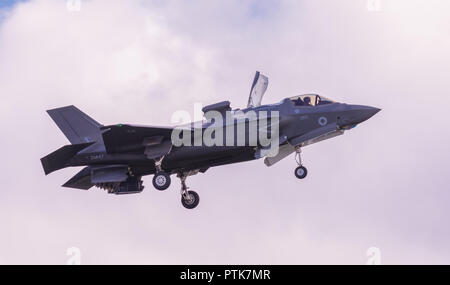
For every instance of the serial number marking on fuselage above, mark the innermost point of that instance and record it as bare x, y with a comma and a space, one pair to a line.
96, 156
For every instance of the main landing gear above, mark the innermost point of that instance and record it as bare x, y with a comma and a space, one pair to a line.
189, 198
161, 180
300, 172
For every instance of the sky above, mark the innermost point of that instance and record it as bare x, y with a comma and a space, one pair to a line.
9, 3
383, 184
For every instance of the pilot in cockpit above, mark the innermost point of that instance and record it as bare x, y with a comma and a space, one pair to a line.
299, 102
307, 101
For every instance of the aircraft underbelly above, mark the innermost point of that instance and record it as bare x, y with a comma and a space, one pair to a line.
198, 157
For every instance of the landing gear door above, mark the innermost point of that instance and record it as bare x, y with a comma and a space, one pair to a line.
157, 150
259, 87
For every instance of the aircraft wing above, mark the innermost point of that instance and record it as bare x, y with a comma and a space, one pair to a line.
127, 138
259, 87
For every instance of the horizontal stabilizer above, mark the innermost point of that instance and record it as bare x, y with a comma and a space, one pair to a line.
82, 180
60, 158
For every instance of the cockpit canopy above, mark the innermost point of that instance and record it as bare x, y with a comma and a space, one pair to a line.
310, 100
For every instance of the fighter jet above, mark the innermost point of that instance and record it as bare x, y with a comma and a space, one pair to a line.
116, 157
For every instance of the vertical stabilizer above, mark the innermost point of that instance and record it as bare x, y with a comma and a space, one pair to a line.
76, 125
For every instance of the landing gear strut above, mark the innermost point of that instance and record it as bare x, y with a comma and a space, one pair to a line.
301, 171
189, 198
161, 179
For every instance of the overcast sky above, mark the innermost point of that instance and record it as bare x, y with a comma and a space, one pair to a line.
383, 184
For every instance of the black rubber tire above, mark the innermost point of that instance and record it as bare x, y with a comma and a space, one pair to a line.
301, 172
161, 181
191, 204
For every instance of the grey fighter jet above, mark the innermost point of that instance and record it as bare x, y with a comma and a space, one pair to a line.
116, 157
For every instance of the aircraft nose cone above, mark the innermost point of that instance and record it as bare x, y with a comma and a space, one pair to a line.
358, 114
367, 112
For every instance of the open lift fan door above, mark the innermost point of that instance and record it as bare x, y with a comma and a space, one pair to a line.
259, 87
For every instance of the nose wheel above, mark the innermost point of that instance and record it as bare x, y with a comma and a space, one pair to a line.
300, 172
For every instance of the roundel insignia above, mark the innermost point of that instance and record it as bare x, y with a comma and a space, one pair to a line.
323, 121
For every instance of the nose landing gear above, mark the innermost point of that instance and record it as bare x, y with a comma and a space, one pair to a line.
300, 172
